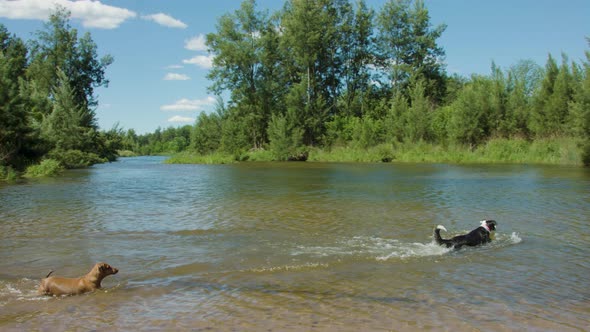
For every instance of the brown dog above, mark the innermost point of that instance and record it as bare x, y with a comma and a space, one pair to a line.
73, 286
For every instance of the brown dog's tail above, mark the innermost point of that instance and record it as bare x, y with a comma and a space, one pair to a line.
48, 274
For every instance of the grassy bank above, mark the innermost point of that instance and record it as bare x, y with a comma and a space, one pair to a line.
560, 151
556, 152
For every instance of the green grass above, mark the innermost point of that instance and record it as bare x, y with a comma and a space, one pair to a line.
126, 153
557, 151
192, 158
561, 151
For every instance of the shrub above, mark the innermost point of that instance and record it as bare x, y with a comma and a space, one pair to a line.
285, 137
8, 173
48, 167
76, 158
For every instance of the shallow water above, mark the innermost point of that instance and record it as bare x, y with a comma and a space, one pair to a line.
298, 246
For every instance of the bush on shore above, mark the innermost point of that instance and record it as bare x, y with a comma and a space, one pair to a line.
47, 167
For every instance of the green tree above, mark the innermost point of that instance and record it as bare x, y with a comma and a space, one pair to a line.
469, 114
580, 110
63, 127
312, 36
284, 135
418, 116
407, 47
357, 54
551, 103
245, 63
235, 138
394, 122
14, 130
523, 82
57, 47
206, 135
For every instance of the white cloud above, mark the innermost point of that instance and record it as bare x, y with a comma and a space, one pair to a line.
185, 104
203, 61
176, 77
175, 67
165, 20
196, 43
181, 119
93, 14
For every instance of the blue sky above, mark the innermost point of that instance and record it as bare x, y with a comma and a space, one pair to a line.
158, 78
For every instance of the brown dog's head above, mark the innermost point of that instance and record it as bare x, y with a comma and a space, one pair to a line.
105, 269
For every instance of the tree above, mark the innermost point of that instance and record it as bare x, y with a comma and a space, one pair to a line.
312, 36
206, 135
551, 103
64, 126
524, 79
580, 110
357, 53
57, 47
418, 117
469, 114
407, 47
245, 60
284, 135
14, 130
395, 129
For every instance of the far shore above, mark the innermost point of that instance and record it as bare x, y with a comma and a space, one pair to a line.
561, 151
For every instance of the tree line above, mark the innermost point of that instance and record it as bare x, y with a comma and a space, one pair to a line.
332, 72
317, 73
47, 100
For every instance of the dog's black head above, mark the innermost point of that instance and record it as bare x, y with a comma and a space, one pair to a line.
491, 224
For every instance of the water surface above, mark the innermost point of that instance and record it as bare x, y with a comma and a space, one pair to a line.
298, 246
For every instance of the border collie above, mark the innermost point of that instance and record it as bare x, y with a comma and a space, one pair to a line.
480, 235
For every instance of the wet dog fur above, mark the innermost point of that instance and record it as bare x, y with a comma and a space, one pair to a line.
72, 286
478, 236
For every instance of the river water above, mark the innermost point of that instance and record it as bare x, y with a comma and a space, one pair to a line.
298, 246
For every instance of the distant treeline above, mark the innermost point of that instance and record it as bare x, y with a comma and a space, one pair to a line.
333, 73
47, 101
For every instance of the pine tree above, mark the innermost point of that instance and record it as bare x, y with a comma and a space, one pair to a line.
14, 130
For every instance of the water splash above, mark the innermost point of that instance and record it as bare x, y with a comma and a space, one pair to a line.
381, 249
286, 268
20, 290
371, 248
515, 238
412, 250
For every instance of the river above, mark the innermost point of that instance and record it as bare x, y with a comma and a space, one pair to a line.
298, 246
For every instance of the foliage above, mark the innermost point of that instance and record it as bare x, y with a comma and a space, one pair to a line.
75, 158
7, 173
338, 75
284, 135
47, 167
191, 158
332, 77
206, 135
47, 99
407, 46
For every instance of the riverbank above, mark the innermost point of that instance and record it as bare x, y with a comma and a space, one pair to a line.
559, 151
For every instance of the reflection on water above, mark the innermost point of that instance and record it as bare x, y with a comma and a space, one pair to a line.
298, 246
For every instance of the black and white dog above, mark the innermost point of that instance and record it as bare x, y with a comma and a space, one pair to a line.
476, 237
